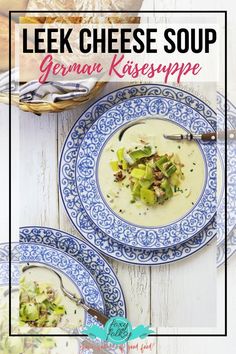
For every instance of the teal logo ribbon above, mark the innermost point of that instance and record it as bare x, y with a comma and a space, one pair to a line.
118, 330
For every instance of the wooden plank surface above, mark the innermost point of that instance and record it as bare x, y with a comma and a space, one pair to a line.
38, 170
172, 295
135, 281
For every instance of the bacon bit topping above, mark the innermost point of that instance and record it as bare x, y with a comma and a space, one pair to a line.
158, 174
119, 176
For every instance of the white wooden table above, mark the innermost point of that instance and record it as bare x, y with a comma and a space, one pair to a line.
181, 294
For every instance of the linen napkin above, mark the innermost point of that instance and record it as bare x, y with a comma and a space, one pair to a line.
55, 91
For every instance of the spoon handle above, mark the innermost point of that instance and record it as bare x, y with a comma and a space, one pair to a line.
93, 312
231, 135
209, 137
98, 315
79, 302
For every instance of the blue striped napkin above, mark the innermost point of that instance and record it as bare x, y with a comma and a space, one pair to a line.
55, 91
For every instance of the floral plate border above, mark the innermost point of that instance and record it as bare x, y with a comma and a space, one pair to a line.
231, 183
68, 188
55, 258
83, 253
103, 216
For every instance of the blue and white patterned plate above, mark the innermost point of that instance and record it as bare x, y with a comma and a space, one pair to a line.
4, 285
79, 251
68, 187
4, 266
86, 256
70, 268
90, 194
231, 167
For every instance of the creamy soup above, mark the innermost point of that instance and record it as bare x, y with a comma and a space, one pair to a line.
118, 195
69, 345
74, 316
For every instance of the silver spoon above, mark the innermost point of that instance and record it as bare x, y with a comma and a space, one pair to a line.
212, 136
122, 132
231, 135
79, 302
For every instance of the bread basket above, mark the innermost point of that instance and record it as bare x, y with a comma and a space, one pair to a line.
42, 107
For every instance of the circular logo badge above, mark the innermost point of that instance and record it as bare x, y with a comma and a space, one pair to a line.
118, 330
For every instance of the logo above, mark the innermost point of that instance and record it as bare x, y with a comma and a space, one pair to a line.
118, 330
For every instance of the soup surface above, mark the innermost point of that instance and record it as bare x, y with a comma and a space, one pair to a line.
118, 195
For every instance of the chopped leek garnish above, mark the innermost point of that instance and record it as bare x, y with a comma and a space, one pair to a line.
141, 153
39, 305
147, 196
153, 179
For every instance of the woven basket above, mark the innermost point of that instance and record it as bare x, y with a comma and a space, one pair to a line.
60, 106
42, 107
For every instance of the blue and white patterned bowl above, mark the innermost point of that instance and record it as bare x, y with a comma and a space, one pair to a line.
66, 265
4, 285
69, 192
85, 255
59, 261
90, 194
